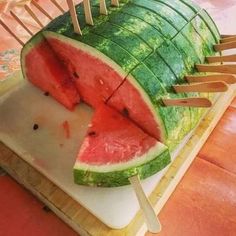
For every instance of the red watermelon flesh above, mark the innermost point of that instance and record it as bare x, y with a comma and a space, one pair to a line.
94, 79
53, 78
112, 138
127, 100
115, 149
97, 81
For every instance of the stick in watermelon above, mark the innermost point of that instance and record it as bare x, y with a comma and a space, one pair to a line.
227, 58
32, 14
74, 18
55, 3
208, 87
230, 38
224, 36
21, 23
103, 7
152, 221
11, 32
227, 78
88, 13
188, 102
115, 3
228, 69
225, 46
41, 9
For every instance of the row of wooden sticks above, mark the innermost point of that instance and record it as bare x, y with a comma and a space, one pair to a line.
216, 82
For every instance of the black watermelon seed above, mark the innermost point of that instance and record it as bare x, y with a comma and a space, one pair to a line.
75, 75
125, 112
92, 133
36, 126
46, 93
46, 209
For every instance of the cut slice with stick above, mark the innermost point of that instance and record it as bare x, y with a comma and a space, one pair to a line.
103, 7
226, 58
187, 102
21, 23
88, 13
32, 14
153, 223
41, 9
225, 46
228, 69
227, 78
74, 18
11, 32
115, 149
208, 87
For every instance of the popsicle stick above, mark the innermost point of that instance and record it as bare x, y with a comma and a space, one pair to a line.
227, 35
226, 58
88, 13
188, 102
27, 8
58, 6
228, 69
21, 23
228, 39
153, 223
225, 46
103, 7
208, 87
227, 78
11, 32
74, 18
41, 9
115, 3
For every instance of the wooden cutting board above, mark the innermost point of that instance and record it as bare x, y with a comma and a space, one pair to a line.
43, 160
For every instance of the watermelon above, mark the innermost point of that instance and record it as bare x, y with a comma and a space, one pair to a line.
129, 60
115, 149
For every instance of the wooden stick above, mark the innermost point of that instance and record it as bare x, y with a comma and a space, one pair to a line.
228, 69
227, 35
41, 9
11, 32
21, 23
188, 102
228, 39
227, 58
153, 224
58, 6
88, 13
115, 3
27, 8
103, 7
227, 78
225, 46
205, 87
74, 18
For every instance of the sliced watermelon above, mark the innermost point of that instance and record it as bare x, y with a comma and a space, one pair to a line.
41, 66
114, 149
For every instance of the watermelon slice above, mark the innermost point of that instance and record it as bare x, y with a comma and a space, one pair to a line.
42, 67
114, 149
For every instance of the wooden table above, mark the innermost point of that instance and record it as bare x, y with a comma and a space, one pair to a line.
204, 203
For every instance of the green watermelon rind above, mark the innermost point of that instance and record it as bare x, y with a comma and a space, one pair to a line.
119, 174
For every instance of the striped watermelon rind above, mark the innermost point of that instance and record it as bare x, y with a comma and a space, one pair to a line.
114, 175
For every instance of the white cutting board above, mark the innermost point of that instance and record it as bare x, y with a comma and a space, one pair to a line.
49, 151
